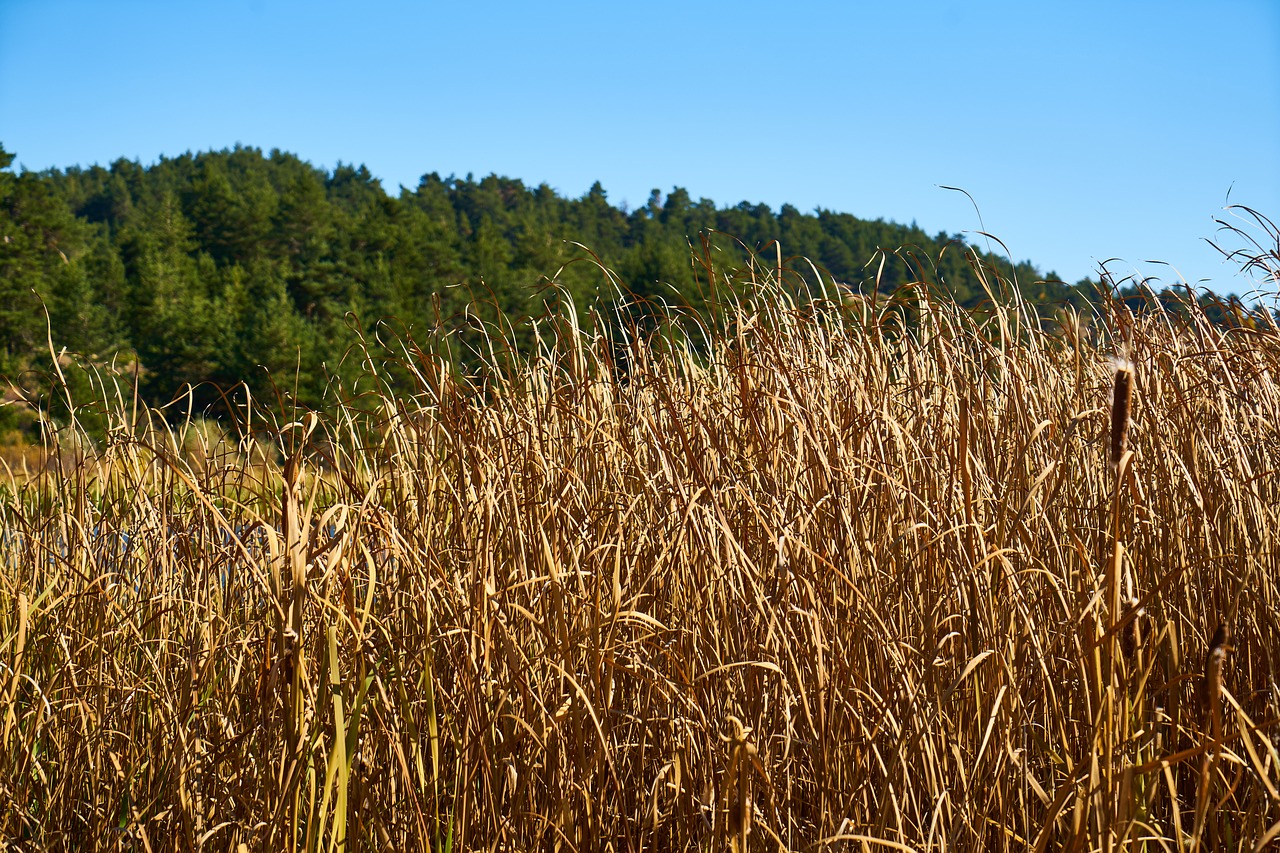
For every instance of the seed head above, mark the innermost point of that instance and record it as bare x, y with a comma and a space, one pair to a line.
1131, 638
1219, 647
1121, 399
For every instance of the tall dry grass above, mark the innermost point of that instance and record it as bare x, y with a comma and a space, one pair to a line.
814, 577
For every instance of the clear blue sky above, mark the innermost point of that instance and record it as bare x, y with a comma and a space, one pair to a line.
1084, 130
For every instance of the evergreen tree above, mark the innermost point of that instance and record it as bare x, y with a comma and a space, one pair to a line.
218, 267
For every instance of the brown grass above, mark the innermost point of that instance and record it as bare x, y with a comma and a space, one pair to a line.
812, 578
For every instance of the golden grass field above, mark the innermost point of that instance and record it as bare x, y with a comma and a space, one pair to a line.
810, 578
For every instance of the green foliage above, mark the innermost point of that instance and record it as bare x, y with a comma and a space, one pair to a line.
236, 266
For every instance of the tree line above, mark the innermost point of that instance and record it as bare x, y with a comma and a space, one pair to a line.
227, 267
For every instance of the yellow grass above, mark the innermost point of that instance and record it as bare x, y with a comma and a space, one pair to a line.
814, 577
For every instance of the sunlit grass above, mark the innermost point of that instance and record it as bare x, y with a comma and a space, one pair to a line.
826, 572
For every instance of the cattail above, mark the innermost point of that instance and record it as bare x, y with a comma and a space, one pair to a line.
742, 760
1219, 646
1121, 398
1131, 636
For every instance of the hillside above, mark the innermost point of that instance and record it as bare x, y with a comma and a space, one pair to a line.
209, 267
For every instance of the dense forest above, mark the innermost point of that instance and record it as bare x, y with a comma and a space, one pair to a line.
228, 267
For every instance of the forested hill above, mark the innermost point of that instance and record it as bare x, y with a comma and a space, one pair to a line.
211, 266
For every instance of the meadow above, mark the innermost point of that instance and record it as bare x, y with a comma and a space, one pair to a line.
823, 572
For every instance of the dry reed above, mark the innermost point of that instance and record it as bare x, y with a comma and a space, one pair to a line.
519, 610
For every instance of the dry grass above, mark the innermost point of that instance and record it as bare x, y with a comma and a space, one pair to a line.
823, 581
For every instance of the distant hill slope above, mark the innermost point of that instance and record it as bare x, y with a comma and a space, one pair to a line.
208, 266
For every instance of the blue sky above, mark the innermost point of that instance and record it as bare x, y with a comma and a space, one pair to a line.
1083, 130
